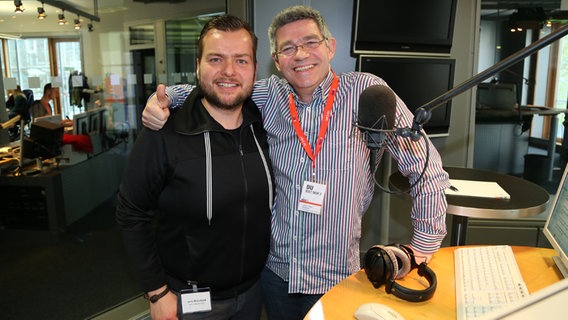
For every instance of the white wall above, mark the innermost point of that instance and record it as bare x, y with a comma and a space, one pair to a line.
338, 16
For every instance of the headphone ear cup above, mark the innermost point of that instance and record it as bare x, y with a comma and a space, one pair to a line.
378, 265
403, 261
385, 264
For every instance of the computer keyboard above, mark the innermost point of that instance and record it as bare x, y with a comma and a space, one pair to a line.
487, 278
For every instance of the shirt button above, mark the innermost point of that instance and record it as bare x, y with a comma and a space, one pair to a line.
302, 160
297, 187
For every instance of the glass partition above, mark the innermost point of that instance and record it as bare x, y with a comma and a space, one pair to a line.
181, 48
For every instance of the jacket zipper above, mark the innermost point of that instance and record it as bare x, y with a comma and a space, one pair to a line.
245, 211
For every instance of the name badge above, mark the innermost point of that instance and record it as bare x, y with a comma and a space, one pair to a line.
196, 300
311, 199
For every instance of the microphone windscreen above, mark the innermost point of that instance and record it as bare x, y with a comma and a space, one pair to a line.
377, 108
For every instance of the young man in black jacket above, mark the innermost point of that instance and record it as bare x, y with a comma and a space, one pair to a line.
195, 201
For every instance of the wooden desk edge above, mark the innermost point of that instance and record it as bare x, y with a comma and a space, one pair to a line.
536, 266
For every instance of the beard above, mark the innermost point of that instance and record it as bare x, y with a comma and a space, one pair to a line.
214, 99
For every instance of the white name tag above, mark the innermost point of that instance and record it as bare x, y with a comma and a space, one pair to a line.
311, 199
195, 301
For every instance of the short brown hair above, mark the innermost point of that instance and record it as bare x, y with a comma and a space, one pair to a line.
293, 14
228, 23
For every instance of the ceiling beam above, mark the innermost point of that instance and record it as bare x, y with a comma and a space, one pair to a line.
69, 8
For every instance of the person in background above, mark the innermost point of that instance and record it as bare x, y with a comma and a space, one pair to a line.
41, 107
18, 104
308, 115
195, 201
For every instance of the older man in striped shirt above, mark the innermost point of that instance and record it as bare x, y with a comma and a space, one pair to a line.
318, 154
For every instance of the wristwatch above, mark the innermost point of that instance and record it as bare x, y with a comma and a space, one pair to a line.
156, 297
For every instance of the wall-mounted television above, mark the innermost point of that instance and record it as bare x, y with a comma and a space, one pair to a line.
499, 96
417, 81
409, 26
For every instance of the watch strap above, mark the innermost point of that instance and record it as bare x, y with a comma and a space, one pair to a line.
156, 297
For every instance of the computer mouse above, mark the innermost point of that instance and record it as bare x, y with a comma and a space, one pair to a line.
376, 311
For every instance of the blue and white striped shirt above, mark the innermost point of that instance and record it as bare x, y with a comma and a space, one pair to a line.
314, 252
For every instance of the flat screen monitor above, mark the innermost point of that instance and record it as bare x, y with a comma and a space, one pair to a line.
546, 303
497, 96
45, 141
81, 124
410, 26
56, 119
556, 227
94, 121
103, 118
417, 81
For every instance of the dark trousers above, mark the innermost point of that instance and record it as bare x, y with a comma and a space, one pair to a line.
280, 305
245, 306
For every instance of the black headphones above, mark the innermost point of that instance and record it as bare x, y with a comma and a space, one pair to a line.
386, 264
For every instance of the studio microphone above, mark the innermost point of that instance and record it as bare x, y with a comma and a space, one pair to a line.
376, 119
376, 115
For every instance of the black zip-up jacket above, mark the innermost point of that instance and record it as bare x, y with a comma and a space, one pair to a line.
195, 202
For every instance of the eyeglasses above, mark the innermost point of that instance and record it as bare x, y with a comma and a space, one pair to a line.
306, 46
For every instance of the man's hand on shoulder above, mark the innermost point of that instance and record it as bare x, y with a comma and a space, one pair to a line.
157, 110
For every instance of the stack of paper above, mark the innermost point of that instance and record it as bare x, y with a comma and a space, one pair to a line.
470, 188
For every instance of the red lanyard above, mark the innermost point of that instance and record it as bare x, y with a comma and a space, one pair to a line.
324, 122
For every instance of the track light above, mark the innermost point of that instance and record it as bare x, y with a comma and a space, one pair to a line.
19, 7
61, 19
65, 6
77, 24
41, 13
91, 27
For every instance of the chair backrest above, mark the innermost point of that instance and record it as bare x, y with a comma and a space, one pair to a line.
29, 96
29, 99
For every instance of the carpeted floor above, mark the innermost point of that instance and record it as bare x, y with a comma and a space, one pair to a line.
76, 277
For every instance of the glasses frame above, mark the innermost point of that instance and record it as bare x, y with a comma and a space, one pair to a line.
306, 46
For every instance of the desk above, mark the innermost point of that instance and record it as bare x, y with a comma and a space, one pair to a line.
551, 148
527, 199
52, 201
341, 301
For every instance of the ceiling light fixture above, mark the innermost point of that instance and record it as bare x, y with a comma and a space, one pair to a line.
91, 27
41, 13
19, 8
70, 8
527, 18
61, 19
77, 24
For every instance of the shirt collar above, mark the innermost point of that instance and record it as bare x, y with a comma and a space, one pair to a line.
321, 91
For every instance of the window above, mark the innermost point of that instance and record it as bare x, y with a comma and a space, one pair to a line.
43, 58
554, 85
561, 95
68, 57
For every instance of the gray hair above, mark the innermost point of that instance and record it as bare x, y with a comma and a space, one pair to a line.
293, 14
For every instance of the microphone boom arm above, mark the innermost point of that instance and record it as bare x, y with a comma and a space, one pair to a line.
424, 112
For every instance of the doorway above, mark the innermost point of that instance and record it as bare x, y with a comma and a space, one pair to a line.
144, 67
